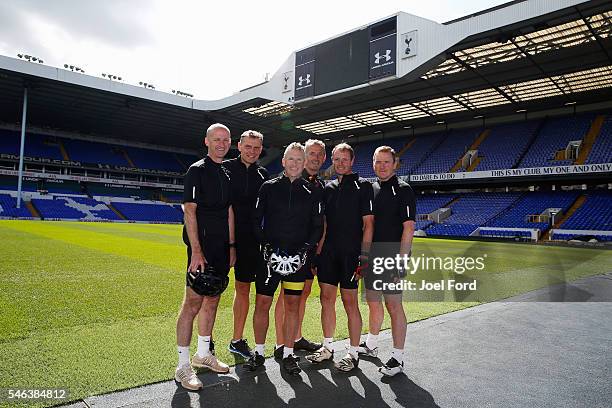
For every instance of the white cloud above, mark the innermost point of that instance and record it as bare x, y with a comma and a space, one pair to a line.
209, 49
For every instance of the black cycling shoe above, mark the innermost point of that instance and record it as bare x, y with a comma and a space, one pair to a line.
241, 347
290, 364
278, 352
306, 345
256, 360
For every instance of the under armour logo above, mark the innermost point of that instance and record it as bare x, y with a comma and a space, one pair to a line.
407, 41
386, 56
301, 80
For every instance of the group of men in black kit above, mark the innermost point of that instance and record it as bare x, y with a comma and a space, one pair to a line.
282, 232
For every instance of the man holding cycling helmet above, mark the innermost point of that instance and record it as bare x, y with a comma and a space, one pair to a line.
288, 222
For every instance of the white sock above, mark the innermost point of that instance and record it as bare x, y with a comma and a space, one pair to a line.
278, 346
327, 342
183, 355
203, 346
353, 352
372, 341
287, 351
296, 340
260, 349
398, 354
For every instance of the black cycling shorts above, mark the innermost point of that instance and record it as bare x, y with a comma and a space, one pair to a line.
248, 260
337, 267
266, 282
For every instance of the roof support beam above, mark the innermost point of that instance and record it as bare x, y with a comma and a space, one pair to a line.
443, 92
538, 67
489, 83
587, 21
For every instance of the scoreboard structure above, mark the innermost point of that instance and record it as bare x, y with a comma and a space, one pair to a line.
350, 60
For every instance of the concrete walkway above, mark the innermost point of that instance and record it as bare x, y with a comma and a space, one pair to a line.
524, 352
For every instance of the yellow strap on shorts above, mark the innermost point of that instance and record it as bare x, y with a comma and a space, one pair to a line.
293, 285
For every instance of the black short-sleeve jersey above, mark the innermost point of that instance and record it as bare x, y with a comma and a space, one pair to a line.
208, 185
394, 203
346, 203
246, 182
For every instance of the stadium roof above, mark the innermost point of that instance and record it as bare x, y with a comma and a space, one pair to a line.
520, 56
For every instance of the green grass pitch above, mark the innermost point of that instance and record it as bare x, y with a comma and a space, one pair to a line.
93, 306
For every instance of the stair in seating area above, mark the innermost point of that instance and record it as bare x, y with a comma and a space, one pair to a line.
589, 139
481, 137
116, 211
32, 209
570, 211
127, 158
63, 150
451, 202
406, 147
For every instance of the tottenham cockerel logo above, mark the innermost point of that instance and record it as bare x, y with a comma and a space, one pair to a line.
407, 41
379, 56
302, 79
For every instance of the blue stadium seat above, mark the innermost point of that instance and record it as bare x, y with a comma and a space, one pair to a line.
8, 207
505, 145
554, 135
444, 157
35, 145
533, 203
149, 212
594, 214
601, 152
154, 159
74, 208
94, 152
471, 211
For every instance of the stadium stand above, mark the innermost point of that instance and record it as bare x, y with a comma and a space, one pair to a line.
505, 145
73, 208
173, 196
601, 152
534, 203
426, 204
151, 212
50, 147
470, 211
554, 135
94, 152
36, 145
418, 151
186, 160
444, 157
594, 214
153, 159
8, 207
